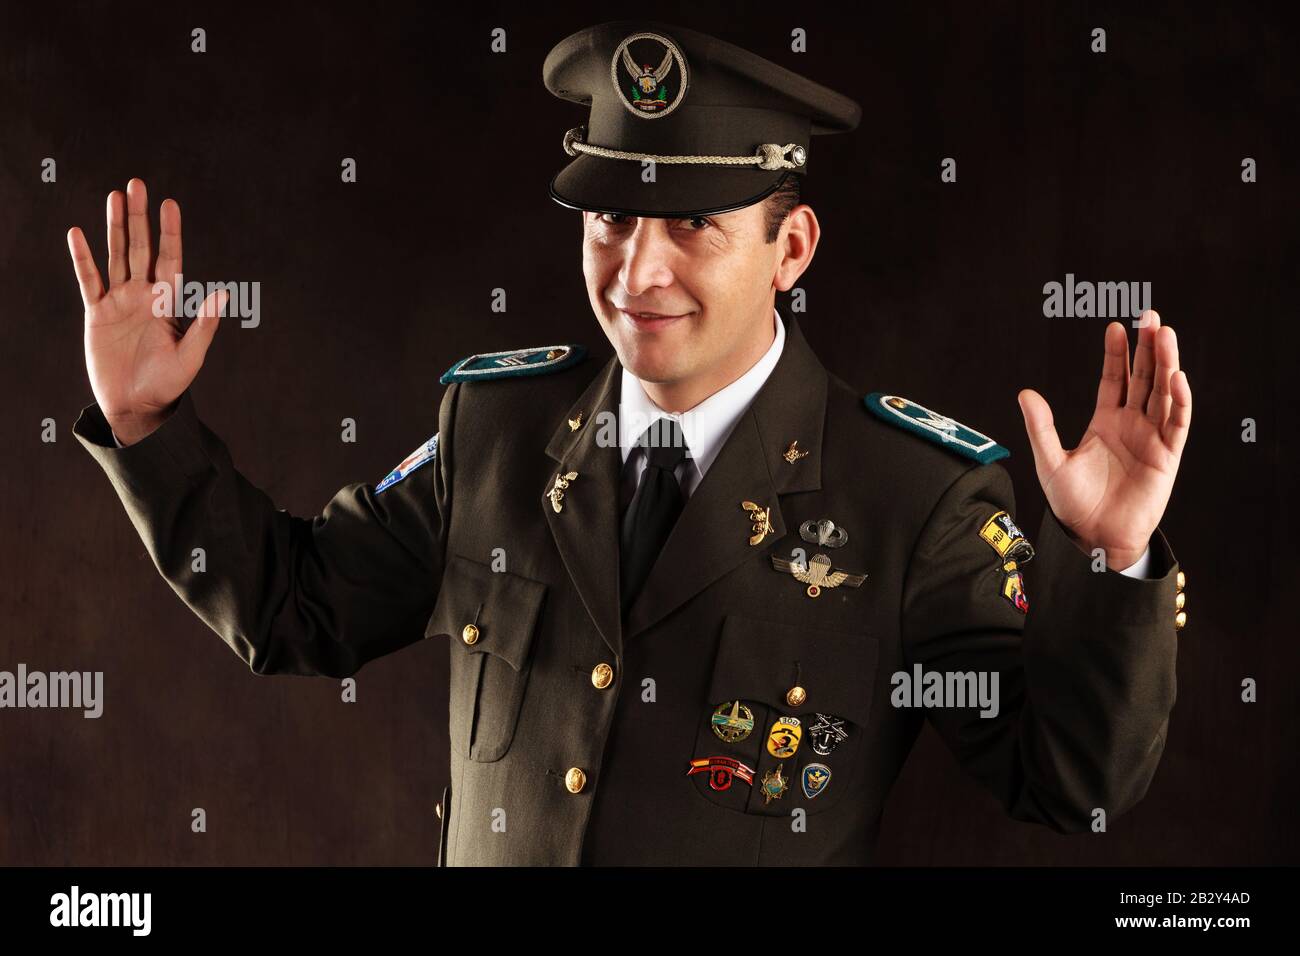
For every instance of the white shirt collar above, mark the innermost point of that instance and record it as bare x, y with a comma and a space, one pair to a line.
706, 426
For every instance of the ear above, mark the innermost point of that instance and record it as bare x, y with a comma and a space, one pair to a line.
797, 245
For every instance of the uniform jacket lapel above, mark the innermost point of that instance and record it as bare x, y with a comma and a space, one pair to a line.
586, 529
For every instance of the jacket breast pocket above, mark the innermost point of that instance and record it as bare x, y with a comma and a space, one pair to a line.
491, 618
785, 717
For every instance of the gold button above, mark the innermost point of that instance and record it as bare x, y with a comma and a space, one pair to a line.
469, 634
795, 696
1181, 580
437, 808
1179, 601
575, 779
602, 675
1180, 620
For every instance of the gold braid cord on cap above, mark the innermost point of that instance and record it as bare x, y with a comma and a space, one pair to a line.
766, 156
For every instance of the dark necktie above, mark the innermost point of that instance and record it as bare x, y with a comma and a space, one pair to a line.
654, 508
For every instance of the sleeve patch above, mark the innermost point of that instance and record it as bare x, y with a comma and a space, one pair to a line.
1004, 536
940, 429
421, 456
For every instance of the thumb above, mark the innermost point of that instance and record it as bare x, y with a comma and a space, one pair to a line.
194, 344
1043, 440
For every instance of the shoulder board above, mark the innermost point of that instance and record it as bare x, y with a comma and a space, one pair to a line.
514, 363
940, 429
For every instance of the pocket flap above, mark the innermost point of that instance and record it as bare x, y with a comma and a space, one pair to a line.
762, 660
503, 606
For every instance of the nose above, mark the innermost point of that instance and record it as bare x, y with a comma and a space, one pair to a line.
647, 257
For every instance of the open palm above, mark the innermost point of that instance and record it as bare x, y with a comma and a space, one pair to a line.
1111, 490
139, 362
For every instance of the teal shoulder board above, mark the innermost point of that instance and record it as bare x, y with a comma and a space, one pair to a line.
940, 429
514, 363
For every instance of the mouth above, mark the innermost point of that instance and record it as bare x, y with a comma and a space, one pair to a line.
651, 321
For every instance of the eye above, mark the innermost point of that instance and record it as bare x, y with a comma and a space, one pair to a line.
702, 221
621, 219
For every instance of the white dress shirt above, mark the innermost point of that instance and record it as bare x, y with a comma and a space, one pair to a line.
706, 427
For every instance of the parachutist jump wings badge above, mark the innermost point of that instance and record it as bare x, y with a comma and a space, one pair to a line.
818, 574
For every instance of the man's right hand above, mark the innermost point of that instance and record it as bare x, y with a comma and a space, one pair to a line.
139, 363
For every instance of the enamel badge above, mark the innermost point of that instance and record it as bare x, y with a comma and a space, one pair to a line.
721, 770
825, 733
783, 738
815, 778
732, 721
774, 784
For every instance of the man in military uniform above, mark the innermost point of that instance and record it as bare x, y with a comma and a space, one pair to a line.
686, 587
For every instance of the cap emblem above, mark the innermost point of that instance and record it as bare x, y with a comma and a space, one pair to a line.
649, 90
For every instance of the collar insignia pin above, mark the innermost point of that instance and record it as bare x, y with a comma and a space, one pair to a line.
556, 494
793, 453
762, 519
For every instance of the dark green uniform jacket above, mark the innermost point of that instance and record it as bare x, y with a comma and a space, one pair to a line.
1086, 676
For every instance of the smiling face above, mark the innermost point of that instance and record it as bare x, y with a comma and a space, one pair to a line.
687, 303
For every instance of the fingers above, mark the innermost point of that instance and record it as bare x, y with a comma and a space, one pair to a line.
1174, 431
1114, 368
169, 242
92, 287
116, 215
137, 227
1043, 440
1144, 365
1166, 354
194, 344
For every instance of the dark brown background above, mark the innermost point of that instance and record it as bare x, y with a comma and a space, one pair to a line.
1122, 166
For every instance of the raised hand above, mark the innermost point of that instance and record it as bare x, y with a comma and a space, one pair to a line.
139, 363
1110, 492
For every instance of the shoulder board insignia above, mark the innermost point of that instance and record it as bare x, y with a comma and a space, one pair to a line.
514, 363
940, 429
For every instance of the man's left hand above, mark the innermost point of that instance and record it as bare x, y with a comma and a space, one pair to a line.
1110, 492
